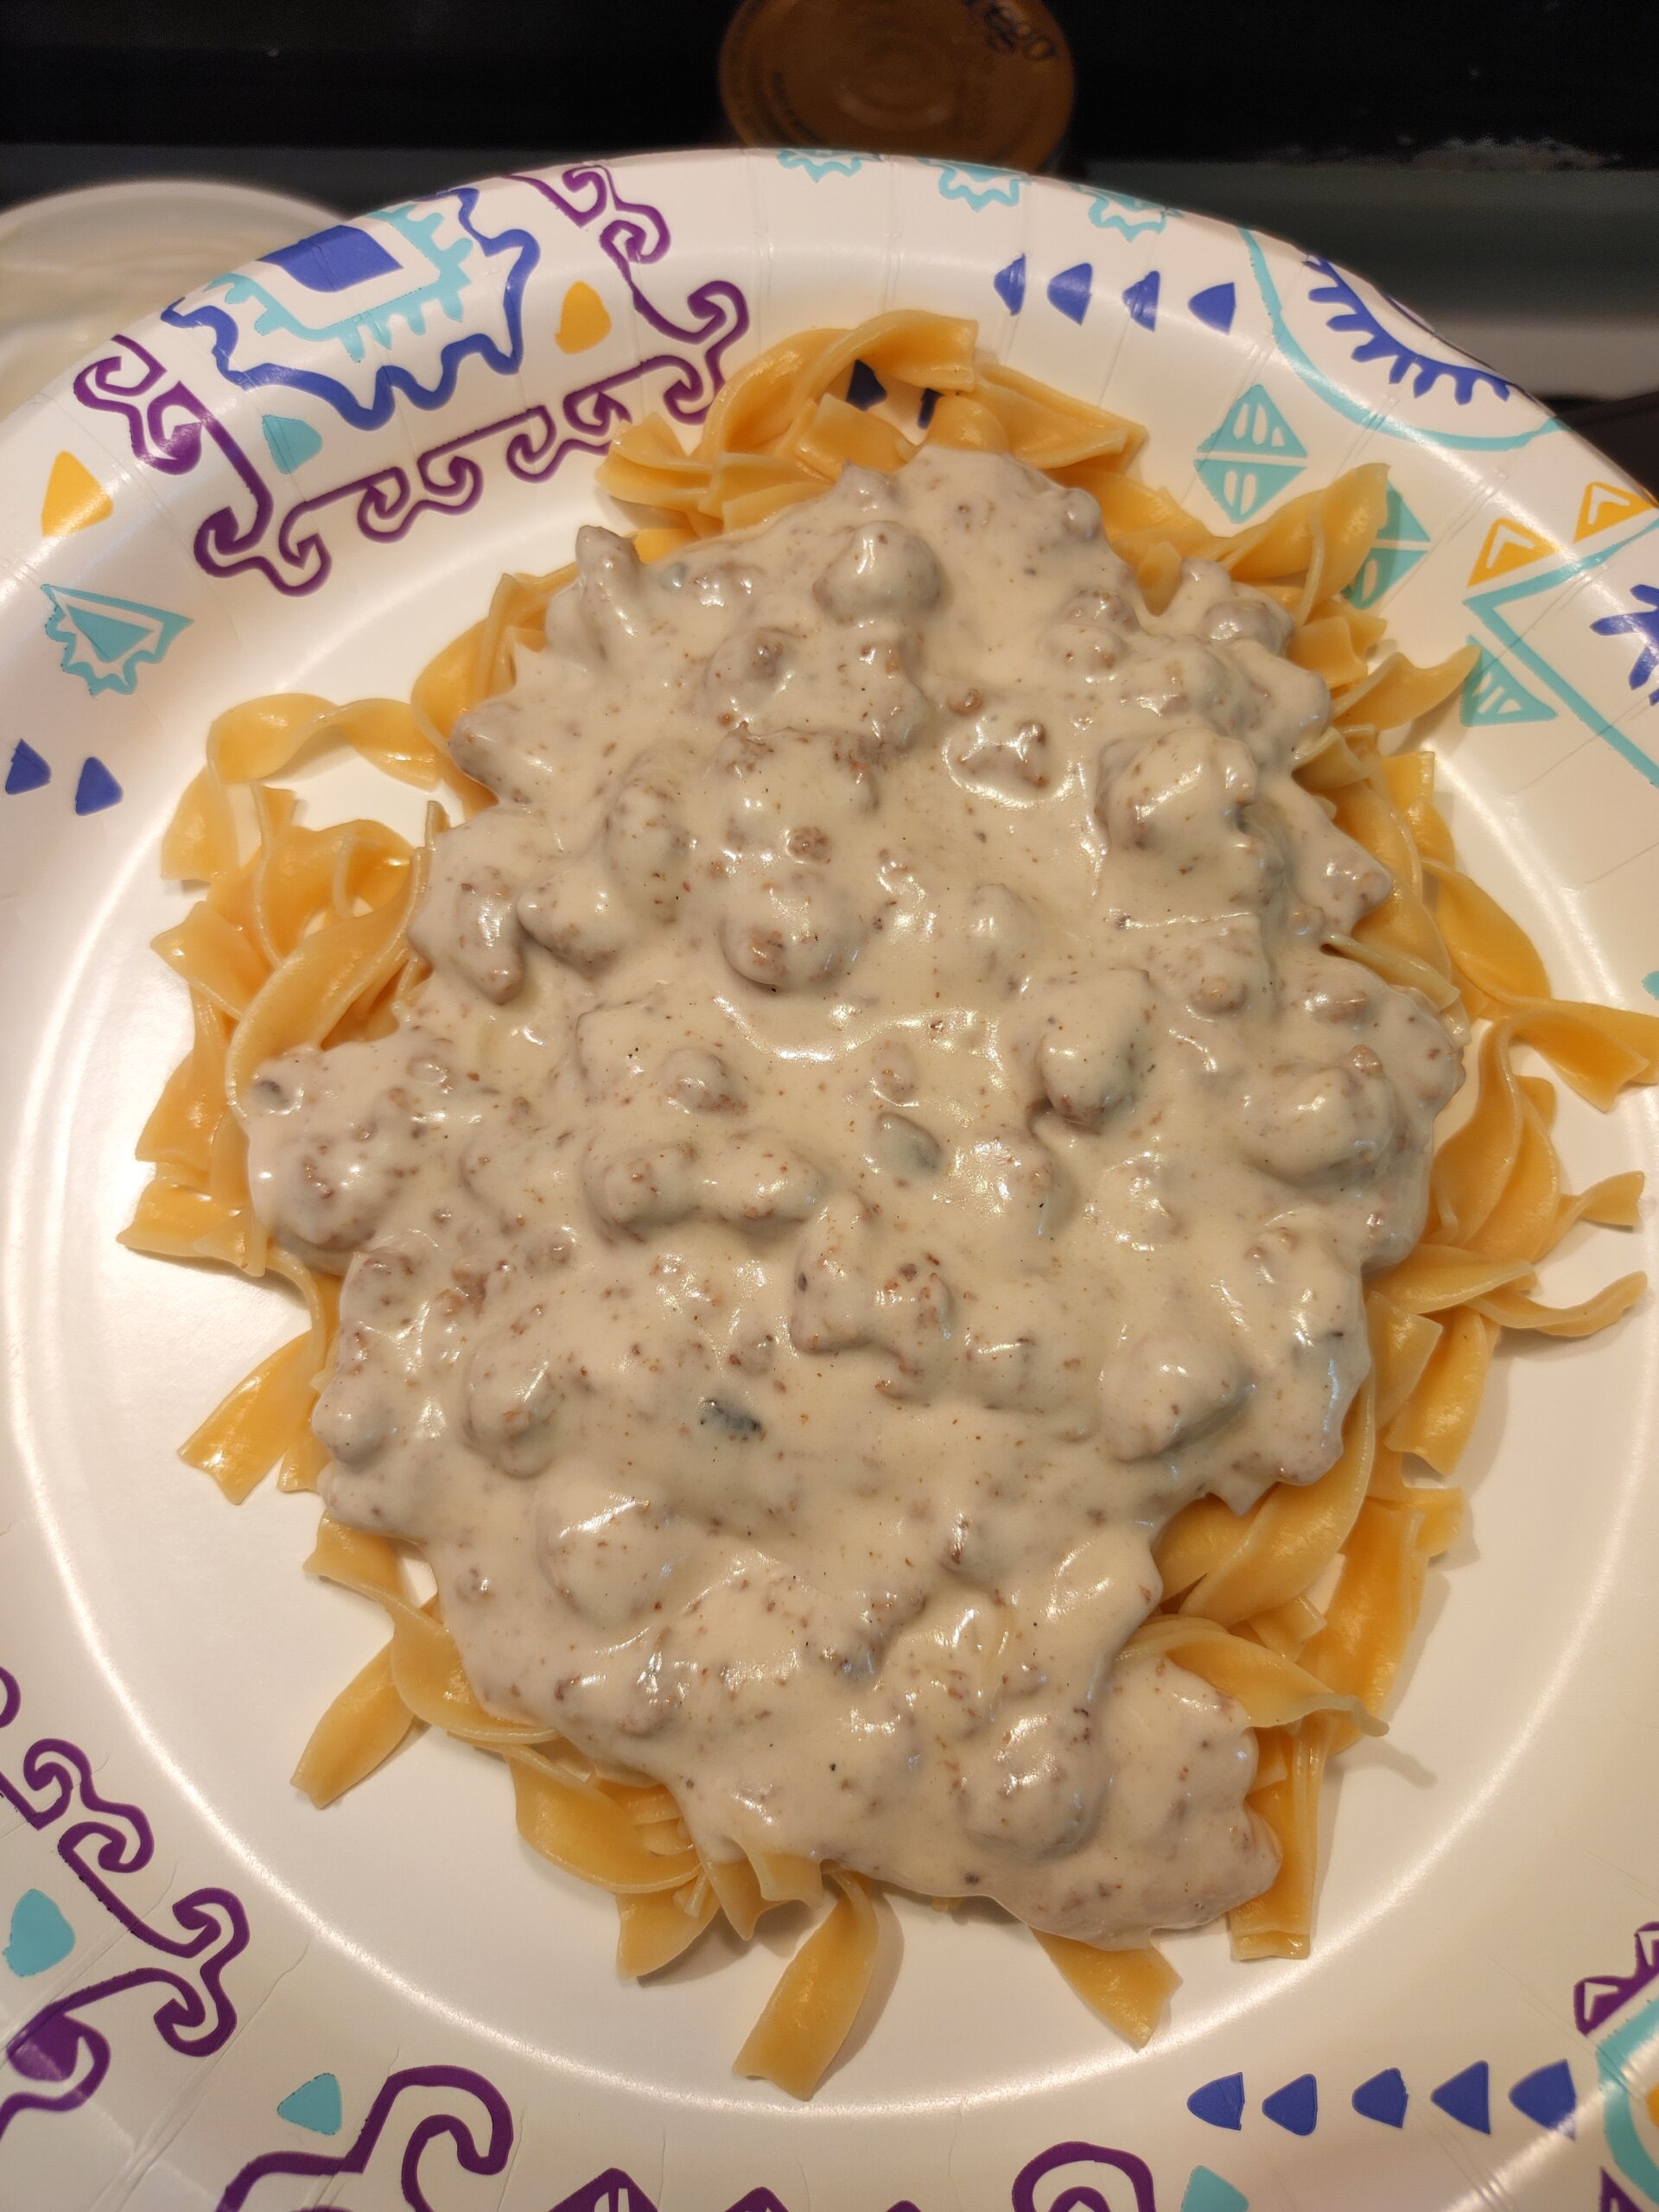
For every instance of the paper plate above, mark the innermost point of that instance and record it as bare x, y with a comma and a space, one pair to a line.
306, 476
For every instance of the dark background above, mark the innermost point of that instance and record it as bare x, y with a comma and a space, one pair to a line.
1498, 155
1253, 79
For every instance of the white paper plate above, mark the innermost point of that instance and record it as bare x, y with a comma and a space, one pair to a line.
306, 477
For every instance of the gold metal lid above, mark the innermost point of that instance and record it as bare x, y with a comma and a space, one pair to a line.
978, 80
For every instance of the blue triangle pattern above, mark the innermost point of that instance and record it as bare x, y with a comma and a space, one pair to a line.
864, 387
1650, 984
1296, 2106
95, 788
1009, 285
1141, 301
28, 771
1547, 2095
1208, 2192
1068, 292
1219, 2103
1467, 2097
1494, 696
1239, 486
1383, 2098
315, 2104
1216, 306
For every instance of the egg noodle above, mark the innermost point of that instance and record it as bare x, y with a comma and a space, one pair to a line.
1301, 1608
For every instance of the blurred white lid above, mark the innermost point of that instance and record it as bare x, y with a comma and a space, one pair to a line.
73, 267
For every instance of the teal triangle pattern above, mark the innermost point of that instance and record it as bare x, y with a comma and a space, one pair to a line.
1249, 458
106, 641
1254, 424
1400, 545
315, 2105
40, 1938
291, 442
110, 638
1400, 525
1208, 2192
1494, 697
1240, 485
1379, 571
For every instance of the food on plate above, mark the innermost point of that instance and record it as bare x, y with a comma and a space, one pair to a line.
871, 1214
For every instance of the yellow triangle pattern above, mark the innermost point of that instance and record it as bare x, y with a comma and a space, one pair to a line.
583, 319
1509, 544
1603, 504
74, 499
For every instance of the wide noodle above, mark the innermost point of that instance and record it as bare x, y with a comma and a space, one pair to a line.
1302, 1608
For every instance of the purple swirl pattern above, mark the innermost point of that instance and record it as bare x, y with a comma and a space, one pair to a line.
59, 2057
446, 479
169, 428
1079, 2177
475, 2121
1599, 1996
478, 2133
637, 233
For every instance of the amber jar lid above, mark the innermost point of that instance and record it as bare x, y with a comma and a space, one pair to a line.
976, 80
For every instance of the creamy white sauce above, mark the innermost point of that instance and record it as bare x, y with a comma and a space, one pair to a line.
883, 1133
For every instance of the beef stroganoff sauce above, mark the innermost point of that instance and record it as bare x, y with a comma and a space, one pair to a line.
884, 1131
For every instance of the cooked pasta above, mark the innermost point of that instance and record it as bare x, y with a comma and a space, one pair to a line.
1301, 1608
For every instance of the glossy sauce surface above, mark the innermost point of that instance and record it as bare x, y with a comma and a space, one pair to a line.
883, 1131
